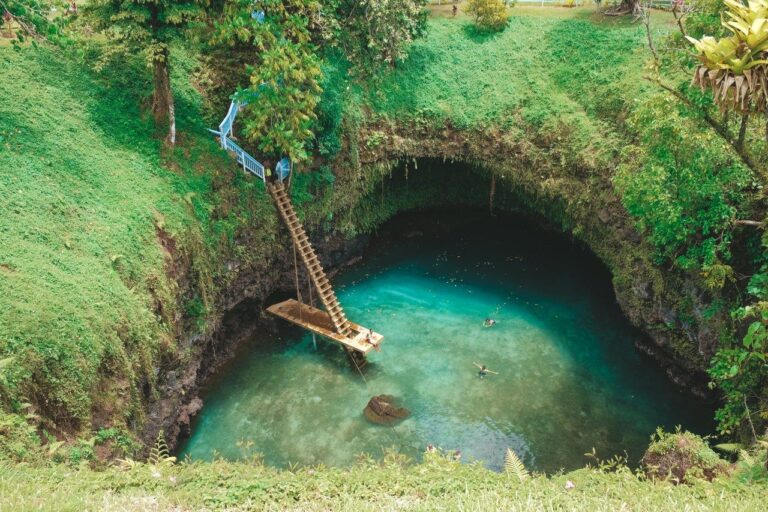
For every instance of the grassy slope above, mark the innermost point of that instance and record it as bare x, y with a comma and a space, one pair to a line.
540, 68
84, 193
435, 485
558, 83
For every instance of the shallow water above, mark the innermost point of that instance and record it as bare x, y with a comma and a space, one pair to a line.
569, 378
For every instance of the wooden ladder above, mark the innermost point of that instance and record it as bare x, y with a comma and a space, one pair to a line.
310, 259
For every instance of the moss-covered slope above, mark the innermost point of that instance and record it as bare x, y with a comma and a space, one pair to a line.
112, 249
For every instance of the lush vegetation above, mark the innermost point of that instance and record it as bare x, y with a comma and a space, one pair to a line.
115, 246
283, 91
488, 14
440, 483
98, 225
148, 28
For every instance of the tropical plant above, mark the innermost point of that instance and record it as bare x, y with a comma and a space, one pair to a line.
514, 466
149, 27
160, 455
740, 371
734, 67
488, 14
373, 32
284, 83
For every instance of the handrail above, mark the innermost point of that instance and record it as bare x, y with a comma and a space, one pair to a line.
250, 164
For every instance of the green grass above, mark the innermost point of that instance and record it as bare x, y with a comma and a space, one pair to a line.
538, 68
437, 484
86, 194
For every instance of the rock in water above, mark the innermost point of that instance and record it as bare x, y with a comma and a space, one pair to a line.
383, 410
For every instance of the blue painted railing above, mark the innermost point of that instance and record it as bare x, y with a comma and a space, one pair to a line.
250, 164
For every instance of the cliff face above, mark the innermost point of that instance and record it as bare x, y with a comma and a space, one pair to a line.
575, 197
414, 169
238, 314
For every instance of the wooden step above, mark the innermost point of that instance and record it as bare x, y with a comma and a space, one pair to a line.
311, 260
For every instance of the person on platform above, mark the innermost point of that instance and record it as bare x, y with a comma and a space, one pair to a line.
369, 339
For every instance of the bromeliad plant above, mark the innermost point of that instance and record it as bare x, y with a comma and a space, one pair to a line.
736, 67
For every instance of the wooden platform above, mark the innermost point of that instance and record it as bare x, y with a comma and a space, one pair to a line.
318, 321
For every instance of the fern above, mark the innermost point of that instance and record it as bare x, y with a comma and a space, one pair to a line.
159, 455
746, 458
127, 464
515, 466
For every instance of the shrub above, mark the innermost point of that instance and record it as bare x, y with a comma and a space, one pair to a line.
18, 439
680, 457
488, 14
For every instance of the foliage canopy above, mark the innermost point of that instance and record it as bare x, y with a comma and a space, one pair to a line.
488, 14
375, 32
284, 83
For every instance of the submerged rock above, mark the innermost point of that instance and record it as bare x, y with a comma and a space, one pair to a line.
383, 410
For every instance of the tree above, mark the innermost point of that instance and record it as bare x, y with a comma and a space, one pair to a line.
624, 7
31, 19
149, 27
373, 32
735, 67
488, 14
730, 70
284, 80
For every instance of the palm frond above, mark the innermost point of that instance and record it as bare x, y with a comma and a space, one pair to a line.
513, 465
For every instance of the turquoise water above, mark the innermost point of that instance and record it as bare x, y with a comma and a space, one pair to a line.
569, 378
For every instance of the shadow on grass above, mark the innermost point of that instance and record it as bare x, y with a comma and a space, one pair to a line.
482, 35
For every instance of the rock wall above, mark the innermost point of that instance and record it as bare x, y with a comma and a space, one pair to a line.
667, 305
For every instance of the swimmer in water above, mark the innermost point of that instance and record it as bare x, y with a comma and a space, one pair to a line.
489, 322
483, 370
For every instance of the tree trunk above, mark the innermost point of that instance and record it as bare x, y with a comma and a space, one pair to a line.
742, 131
625, 7
162, 98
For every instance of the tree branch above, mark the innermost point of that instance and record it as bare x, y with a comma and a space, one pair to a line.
719, 128
745, 222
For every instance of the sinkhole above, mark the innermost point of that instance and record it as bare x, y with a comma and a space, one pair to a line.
569, 378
